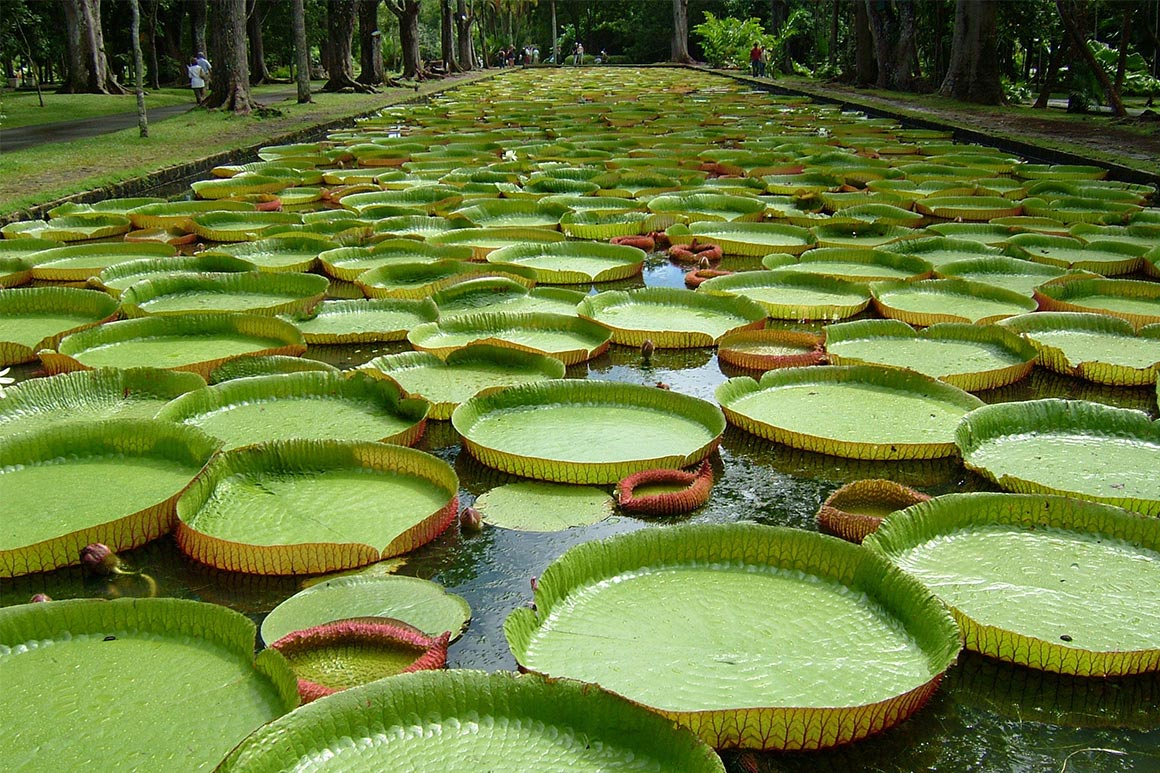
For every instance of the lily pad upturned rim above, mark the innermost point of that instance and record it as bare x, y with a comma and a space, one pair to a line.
98, 306
694, 489
740, 545
937, 517
589, 393
623, 261
539, 506
303, 457
134, 270
736, 285
893, 378
579, 710
424, 310
1057, 359
286, 338
179, 621
1031, 417
592, 338
108, 437
731, 349
731, 237
840, 514
674, 299
952, 287
1060, 297
287, 292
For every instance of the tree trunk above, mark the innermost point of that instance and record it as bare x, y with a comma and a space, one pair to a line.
555, 37
973, 74
1122, 63
170, 22
1047, 84
197, 15
447, 36
679, 49
138, 67
865, 65
892, 26
407, 11
463, 23
255, 15
301, 49
1071, 23
370, 43
154, 68
340, 17
88, 69
229, 88
834, 18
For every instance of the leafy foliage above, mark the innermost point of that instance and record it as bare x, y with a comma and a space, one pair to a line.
726, 42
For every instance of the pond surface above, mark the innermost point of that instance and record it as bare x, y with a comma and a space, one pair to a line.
987, 716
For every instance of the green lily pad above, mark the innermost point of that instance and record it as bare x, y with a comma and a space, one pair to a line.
981, 233
492, 294
604, 225
508, 213
191, 666
790, 295
239, 185
364, 320
968, 208
1094, 347
1020, 276
669, 317
472, 370
71, 228
111, 481
36, 318
266, 365
229, 226
704, 207
1026, 576
1080, 449
178, 214
754, 239
308, 405
14, 270
825, 643
78, 263
536, 506
421, 603
483, 240
1136, 301
106, 393
571, 431
116, 278
420, 280
475, 721
249, 292
1103, 257
573, 262
852, 265
254, 509
197, 343
948, 300
569, 339
859, 235
278, 253
938, 250
351, 262
971, 357
855, 411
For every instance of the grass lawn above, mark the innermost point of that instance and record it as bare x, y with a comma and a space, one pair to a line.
22, 108
44, 173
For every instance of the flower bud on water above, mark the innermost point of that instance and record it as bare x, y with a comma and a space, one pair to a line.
470, 519
100, 560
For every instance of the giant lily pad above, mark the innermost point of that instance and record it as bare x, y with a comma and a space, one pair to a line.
310, 404
825, 643
1027, 576
364, 320
112, 481
71, 228
420, 280
36, 318
192, 670
197, 343
569, 339
1015, 274
542, 507
106, 393
669, 317
573, 262
218, 226
78, 263
424, 604
770, 348
475, 369
938, 250
853, 264
971, 357
250, 292
278, 253
178, 214
752, 239
499, 293
603, 225
116, 278
1094, 347
703, 207
483, 240
257, 509
948, 300
572, 431
1103, 257
475, 721
508, 213
1136, 301
1071, 447
856, 411
790, 295
351, 262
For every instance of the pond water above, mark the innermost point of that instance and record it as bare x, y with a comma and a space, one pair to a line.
987, 716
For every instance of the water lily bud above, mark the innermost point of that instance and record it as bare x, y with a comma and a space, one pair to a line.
100, 560
39, 597
470, 519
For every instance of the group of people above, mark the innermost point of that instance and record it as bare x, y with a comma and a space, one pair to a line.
758, 61
198, 70
509, 57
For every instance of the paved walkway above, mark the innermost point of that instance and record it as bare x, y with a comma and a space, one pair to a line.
66, 131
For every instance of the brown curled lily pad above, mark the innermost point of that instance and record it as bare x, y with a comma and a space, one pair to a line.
770, 348
857, 509
346, 653
665, 492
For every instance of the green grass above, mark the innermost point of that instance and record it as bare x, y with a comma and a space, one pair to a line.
22, 108
45, 173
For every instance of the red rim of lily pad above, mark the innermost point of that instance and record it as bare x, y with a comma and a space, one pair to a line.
857, 509
695, 492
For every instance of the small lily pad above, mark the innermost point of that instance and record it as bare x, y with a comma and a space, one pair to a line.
537, 506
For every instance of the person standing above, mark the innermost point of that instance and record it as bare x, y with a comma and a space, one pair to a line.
578, 54
203, 63
196, 79
755, 60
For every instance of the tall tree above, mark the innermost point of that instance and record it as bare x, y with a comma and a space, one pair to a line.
301, 49
407, 12
197, 16
679, 49
229, 88
340, 19
892, 25
1074, 21
464, 20
973, 74
138, 68
88, 68
256, 11
865, 63
447, 36
370, 43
